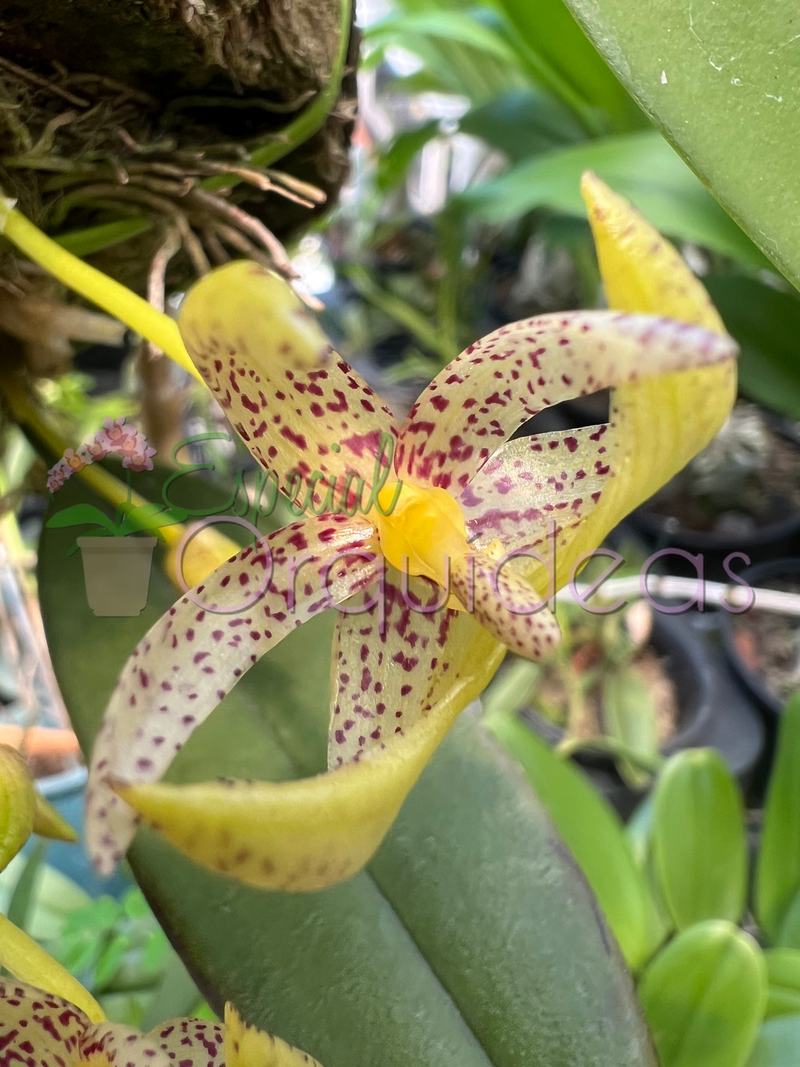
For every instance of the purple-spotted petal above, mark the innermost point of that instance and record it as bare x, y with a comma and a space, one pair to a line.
535, 490
121, 1046
505, 604
38, 1028
195, 654
479, 399
200, 1043
297, 406
387, 650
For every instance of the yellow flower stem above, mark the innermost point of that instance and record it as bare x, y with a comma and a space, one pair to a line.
91, 283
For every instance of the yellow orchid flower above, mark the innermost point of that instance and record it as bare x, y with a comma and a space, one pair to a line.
457, 517
440, 568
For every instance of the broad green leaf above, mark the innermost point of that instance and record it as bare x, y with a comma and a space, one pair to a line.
698, 838
472, 941
396, 159
521, 123
629, 716
777, 1043
80, 515
548, 28
448, 25
783, 973
704, 995
595, 836
641, 167
720, 80
778, 869
766, 323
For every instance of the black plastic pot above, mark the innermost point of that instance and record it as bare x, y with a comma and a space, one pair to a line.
712, 710
768, 701
780, 538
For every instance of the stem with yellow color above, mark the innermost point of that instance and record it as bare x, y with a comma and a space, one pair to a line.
91, 283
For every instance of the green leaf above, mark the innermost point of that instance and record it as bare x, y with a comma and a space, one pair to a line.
766, 323
641, 167
521, 123
150, 517
777, 1043
80, 515
629, 716
549, 29
472, 941
720, 80
594, 834
449, 25
395, 161
698, 838
777, 882
704, 995
783, 972
106, 235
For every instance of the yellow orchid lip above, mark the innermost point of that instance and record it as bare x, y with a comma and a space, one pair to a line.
420, 528
462, 501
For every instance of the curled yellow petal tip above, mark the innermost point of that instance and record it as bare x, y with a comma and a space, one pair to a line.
246, 1046
47, 822
17, 804
29, 963
267, 311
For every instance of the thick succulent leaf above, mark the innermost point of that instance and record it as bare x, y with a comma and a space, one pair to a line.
698, 839
297, 406
660, 422
536, 484
198, 651
783, 974
704, 996
501, 381
594, 834
28, 962
777, 886
777, 1043
390, 967
721, 85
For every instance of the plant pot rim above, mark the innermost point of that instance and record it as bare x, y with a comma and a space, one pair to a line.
753, 680
129, 543
656, 525
695, 691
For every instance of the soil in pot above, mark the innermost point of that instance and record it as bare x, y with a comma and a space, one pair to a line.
764, 646
741, 494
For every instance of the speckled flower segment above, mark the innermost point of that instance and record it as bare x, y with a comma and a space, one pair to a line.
39, 1029
435, 541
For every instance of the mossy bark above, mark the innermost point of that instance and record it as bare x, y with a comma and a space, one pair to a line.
92, 91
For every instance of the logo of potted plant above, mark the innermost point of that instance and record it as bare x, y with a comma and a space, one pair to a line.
116, 562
